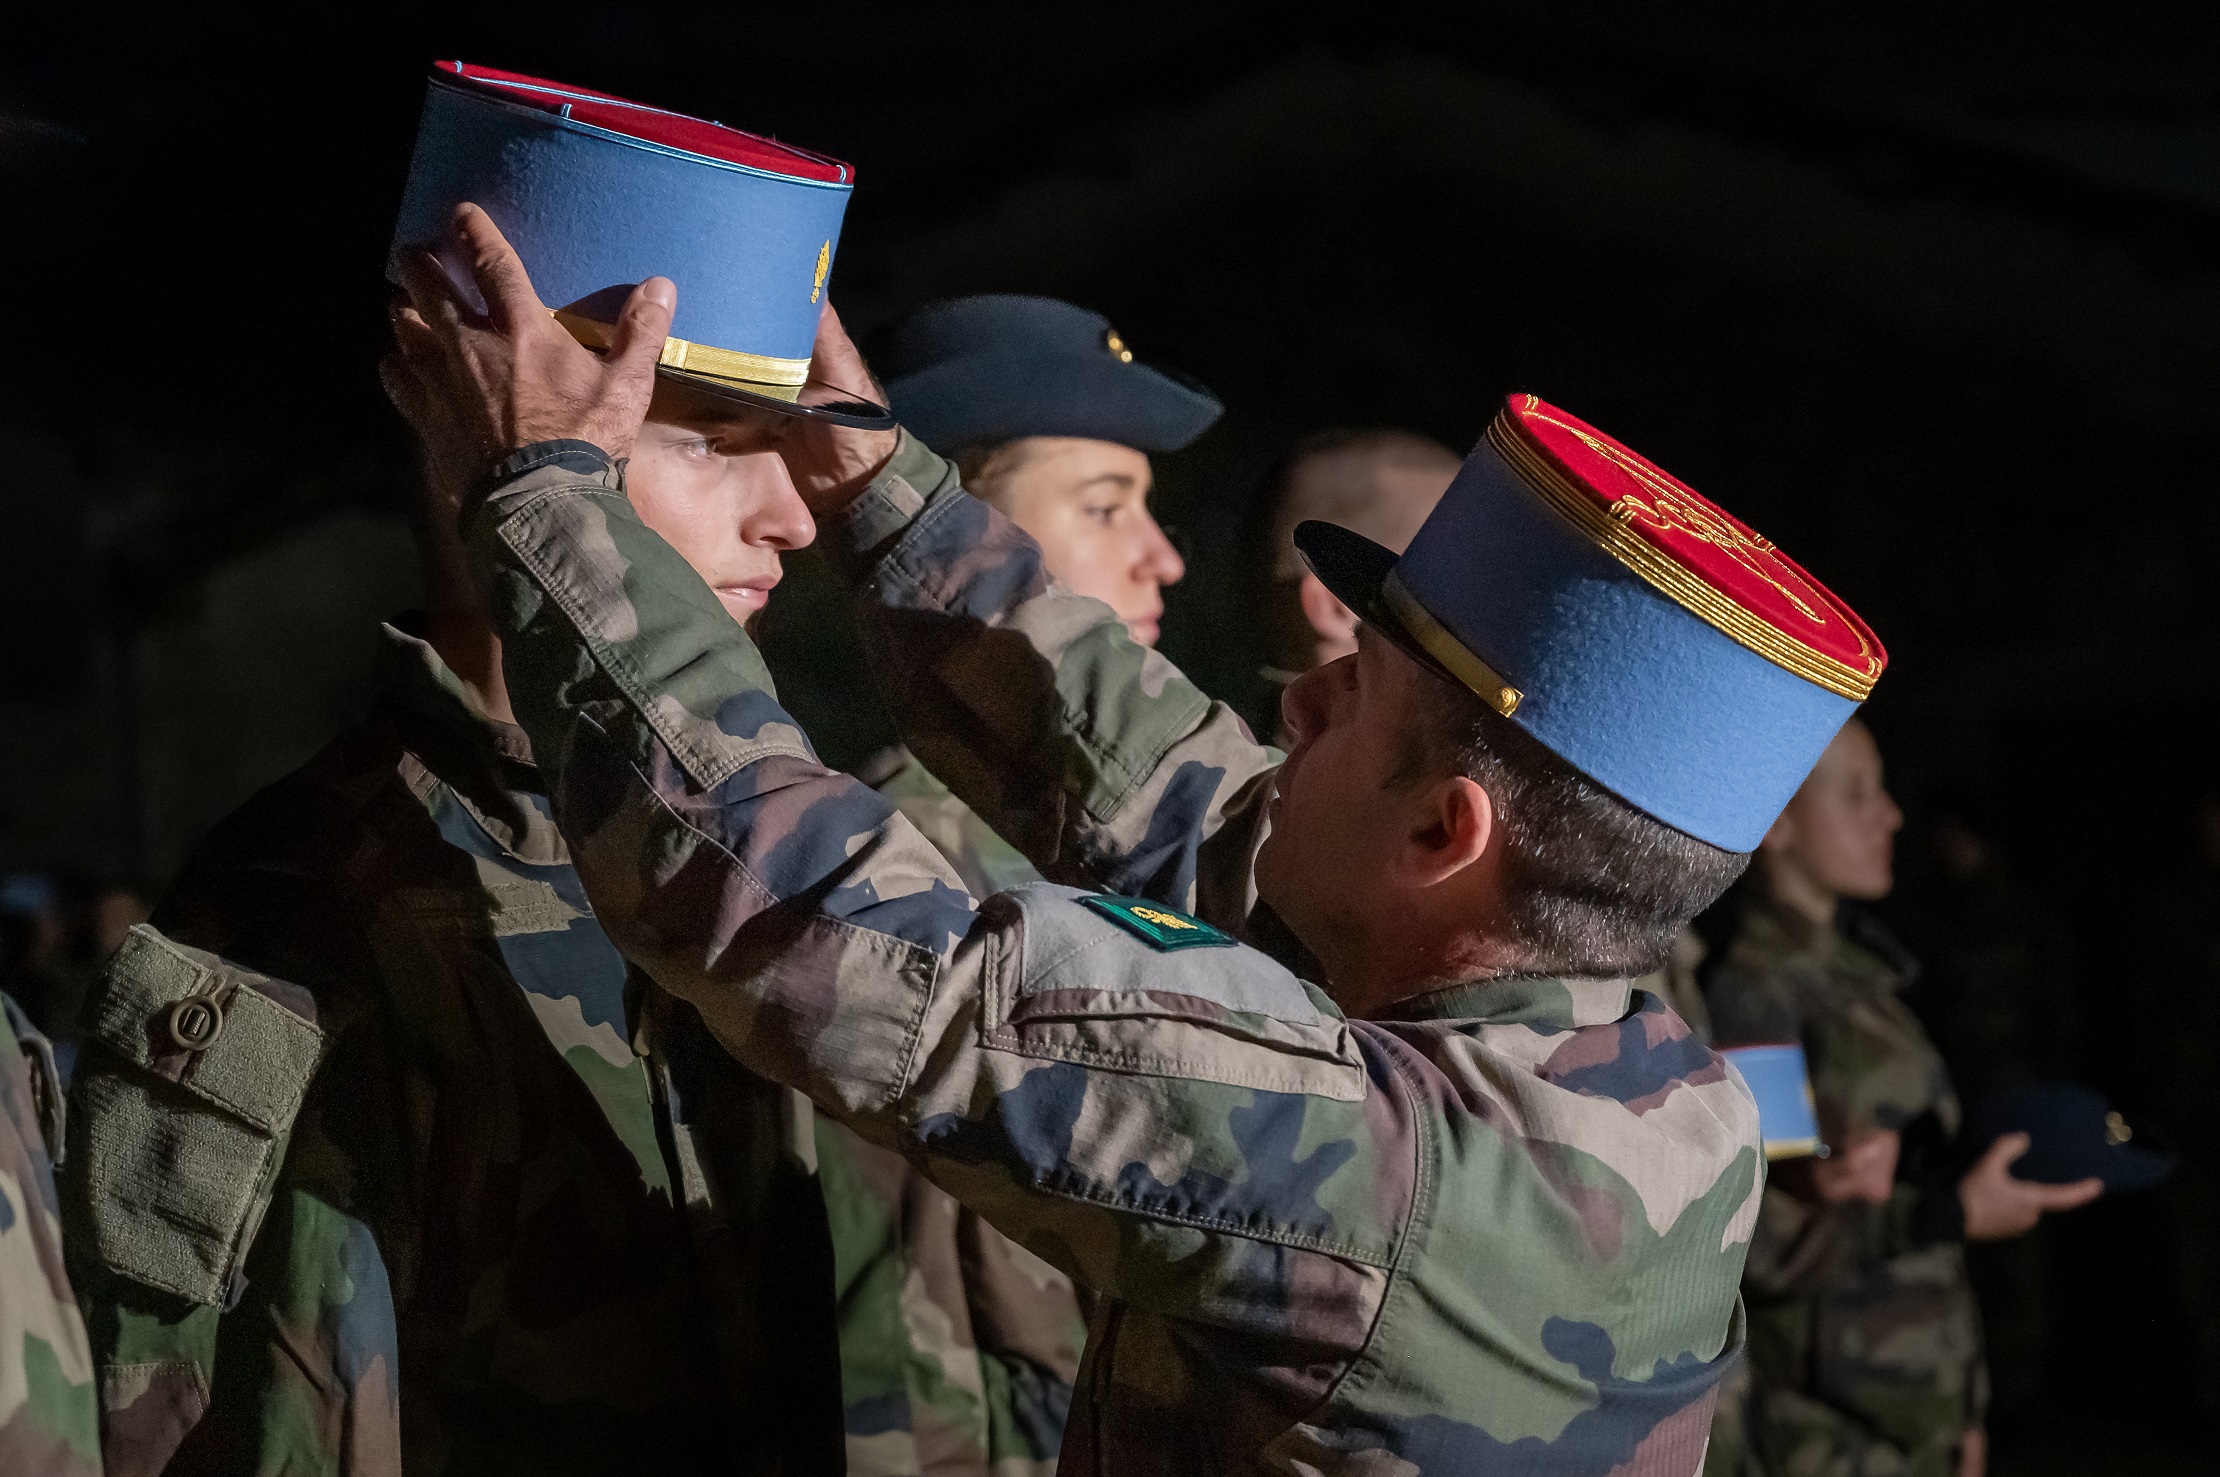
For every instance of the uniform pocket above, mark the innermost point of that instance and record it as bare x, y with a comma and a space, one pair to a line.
181, 1115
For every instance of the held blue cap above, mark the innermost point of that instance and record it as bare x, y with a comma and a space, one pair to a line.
2073, 1133
1637, 630
971, 371
597, 194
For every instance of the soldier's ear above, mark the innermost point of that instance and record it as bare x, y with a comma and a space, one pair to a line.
1450, 832
1329, 619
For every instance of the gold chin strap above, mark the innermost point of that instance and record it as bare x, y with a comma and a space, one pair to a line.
1448, 650
760, 374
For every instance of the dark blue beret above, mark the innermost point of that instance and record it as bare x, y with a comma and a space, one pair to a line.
2074, 1133
971, 371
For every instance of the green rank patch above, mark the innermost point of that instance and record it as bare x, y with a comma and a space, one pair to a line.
1157, 926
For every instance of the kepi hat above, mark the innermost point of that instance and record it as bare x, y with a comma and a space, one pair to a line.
1637, 630
597, 194
971, 371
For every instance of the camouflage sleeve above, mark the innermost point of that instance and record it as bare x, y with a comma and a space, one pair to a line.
1192, 1131
239, 1320
1093, 754
49, 1421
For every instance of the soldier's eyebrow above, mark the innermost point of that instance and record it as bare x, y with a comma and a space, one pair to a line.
1123, 479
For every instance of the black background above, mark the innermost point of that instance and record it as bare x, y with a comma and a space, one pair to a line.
1928, 293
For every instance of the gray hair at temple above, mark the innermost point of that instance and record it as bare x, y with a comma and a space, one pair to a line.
1378, 482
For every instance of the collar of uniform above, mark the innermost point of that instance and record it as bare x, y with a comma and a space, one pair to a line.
485, 762
1522, 1000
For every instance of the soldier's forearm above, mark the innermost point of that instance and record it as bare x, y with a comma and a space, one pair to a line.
828, 947
1091, 753
785, 900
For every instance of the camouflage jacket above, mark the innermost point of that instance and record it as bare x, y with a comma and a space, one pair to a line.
958, 1347
49, 1418
1501, 1230
1864, 1340
984, 862
451, 1188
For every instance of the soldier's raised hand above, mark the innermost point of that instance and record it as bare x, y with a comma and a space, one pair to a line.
830, 464
477, 386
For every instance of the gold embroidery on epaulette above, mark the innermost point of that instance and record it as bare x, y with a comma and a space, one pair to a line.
1612, 528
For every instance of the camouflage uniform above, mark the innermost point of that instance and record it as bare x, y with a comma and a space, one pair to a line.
1499, 1232
451, 1186
986, 863
1679, 985
49, 1418
958, 1347
1864, 1343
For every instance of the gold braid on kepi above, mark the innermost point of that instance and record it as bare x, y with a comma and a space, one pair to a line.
1641, 632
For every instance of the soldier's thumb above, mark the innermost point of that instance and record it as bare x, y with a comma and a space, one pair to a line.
2008, 1150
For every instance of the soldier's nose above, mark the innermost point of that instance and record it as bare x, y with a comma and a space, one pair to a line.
1299, 707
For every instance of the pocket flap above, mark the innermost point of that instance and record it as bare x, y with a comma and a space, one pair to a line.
175, 1147
260, 1061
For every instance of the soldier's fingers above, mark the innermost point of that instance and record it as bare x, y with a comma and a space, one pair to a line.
432, 293
412, 336
2005, 1152
643, 326
495, 267
2070, 1197
835, 362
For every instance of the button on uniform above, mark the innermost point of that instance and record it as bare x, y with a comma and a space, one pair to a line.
195, 1022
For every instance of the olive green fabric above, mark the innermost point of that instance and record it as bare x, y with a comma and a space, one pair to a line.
179, 1149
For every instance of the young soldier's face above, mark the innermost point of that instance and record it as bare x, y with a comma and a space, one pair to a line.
1840, 829
704, 475
1086, 503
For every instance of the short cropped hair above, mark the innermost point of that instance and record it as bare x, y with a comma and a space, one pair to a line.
1594, 888
1288, 501
981, 464
1354, 502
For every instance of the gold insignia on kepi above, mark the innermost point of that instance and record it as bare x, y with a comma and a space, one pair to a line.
1116, 345
195, 1022
1161, 928
824, 265
2116, 1130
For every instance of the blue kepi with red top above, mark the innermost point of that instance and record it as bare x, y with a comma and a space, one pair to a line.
597, 194
1638, 630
